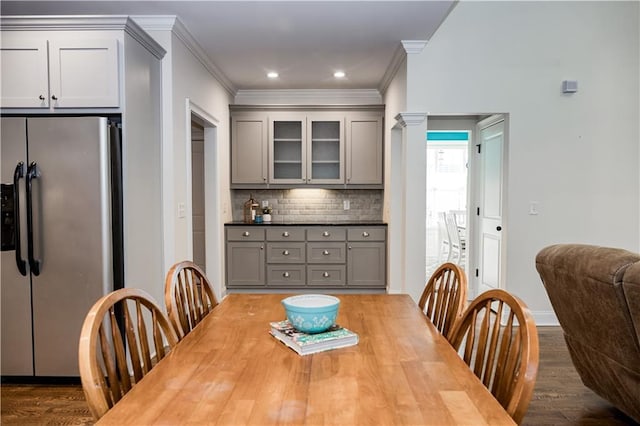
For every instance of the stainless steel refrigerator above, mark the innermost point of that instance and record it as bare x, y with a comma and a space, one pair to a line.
61, 236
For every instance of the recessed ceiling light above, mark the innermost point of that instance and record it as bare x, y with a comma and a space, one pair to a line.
272, 74
339, 74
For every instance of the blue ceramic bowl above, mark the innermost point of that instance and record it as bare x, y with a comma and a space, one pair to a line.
311, 313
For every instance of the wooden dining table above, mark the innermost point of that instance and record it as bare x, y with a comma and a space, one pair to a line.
230, 371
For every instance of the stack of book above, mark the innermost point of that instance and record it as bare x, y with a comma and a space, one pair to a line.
305, 344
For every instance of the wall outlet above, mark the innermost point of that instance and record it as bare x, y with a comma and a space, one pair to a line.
265, 203
181, 210
346, 204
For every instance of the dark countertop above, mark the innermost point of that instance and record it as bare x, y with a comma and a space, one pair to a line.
336, 223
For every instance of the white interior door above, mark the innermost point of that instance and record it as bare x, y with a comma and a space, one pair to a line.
490, 154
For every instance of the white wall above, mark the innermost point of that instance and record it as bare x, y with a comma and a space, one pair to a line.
142, 169
576, 155
395, 101
185, 77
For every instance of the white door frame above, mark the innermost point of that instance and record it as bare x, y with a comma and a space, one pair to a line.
213, 221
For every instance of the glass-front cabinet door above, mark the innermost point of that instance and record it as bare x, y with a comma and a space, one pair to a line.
325, 153
287, 149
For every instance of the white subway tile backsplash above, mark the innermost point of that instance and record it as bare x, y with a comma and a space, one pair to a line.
313, 205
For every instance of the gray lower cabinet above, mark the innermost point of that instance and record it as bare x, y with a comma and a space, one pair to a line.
366, 257
245, 257
306, 257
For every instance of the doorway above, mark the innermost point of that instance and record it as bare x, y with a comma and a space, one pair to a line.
447, 195
197, 195
204, 220
466, 177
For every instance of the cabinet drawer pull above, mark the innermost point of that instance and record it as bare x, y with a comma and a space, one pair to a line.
365, 234
286, 275
285, 253
246, 234
325, 274
41, 97
325, 253
285, 234
325, 234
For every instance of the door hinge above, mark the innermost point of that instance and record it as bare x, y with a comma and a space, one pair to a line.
477, 272
479, 148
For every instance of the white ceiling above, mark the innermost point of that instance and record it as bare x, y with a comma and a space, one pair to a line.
304, 41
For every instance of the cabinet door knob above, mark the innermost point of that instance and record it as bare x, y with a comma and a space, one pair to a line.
54, 97
261, 247
349, 247
246, 234
325, 234
41, 97
286, 275
365, 234
325, 274
325, 253
285, 234
286, 252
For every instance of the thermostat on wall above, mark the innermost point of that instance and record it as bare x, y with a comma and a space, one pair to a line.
569, 86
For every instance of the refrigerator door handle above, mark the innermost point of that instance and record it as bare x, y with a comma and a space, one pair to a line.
32, 173
17, 175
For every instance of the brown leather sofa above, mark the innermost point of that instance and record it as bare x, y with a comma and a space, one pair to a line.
595, 293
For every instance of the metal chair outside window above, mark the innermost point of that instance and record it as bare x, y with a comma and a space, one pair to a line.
457, 242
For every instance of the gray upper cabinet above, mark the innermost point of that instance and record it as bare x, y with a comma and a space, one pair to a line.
364, 149
297, 147
306, 148
249, 165
287, 149
325, 154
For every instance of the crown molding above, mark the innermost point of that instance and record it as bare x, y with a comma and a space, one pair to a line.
64, 22
174, 24
399, 56
83, 23
414, 46
308, 97
406, 119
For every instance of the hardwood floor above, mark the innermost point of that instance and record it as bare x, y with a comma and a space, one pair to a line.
559, 398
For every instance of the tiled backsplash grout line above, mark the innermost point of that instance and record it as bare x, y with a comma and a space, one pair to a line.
312, 204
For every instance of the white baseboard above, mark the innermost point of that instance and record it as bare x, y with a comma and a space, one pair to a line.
545, 318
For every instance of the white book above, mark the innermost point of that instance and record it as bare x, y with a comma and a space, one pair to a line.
305, 344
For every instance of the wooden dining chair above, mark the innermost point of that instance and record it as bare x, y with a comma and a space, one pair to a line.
444, 297
497, 338
188, 295
123, 336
